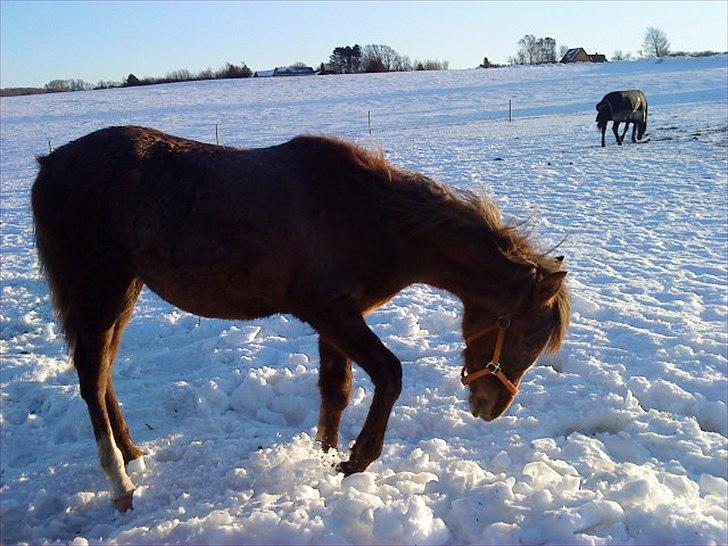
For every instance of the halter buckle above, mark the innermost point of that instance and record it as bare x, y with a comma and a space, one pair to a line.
493, 367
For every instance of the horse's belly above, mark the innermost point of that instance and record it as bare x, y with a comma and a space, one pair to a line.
213, 300
230, 291
216, 268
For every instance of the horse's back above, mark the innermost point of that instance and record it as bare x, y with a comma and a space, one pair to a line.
217, 231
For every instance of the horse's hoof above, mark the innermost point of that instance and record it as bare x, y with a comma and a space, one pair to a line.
124, 503
347, 468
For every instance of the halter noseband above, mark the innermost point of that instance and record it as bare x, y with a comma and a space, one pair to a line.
492, 367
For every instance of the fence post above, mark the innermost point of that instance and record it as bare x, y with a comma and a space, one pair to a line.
217, 137
509, 110
369, 117
49, 146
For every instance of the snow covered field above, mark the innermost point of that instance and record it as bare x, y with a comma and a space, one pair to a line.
619, 438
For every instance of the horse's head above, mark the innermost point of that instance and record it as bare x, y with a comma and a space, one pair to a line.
604, 114
506, 335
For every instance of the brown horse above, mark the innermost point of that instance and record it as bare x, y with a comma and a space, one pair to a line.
317, 228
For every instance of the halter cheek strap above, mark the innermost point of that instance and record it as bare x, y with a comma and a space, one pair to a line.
492, 367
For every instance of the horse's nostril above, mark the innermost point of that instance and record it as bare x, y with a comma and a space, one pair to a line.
479, 407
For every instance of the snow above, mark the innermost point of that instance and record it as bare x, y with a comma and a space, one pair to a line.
618, 438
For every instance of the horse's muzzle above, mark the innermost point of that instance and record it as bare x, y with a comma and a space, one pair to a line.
489, 408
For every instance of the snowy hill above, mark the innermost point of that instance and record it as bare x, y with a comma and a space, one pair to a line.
619, 438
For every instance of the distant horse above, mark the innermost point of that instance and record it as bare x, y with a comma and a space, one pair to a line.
626, 106
317, 228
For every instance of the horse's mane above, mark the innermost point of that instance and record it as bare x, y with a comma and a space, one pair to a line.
423, 205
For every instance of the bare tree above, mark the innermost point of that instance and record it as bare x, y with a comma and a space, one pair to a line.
181, 75
528, 49
532, 50
655, 43
620, 55
546, 48
432, 64
55, 86
402, 63
383, 58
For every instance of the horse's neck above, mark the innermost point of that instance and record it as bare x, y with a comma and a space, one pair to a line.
460, 265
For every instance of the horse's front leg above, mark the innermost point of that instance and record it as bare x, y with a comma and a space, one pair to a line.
615, 130
346, 330
626, 126
604, 130
335, 387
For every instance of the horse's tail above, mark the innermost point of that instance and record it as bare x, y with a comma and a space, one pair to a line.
49, 232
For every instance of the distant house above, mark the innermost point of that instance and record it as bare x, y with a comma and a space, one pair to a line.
579, 55
285, 71
294, 71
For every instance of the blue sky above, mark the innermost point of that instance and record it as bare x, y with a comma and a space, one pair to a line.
41, 41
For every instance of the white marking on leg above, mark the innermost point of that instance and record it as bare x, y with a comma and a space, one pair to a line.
112, 462
320, 427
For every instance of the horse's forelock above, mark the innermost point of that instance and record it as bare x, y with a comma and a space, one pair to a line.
562, 314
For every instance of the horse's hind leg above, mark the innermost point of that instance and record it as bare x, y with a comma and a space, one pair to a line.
335, 388
92, 328
124, 441
634, 129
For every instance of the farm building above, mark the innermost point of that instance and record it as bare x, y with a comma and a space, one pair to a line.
579, 55
285, 71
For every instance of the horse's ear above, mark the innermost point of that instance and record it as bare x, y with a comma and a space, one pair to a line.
559, 259
549, 286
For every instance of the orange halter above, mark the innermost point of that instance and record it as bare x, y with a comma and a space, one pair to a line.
492, 367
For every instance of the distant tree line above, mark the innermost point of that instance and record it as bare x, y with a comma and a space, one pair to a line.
367, 59
375, 58
229, 71
61, 86
58, 86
